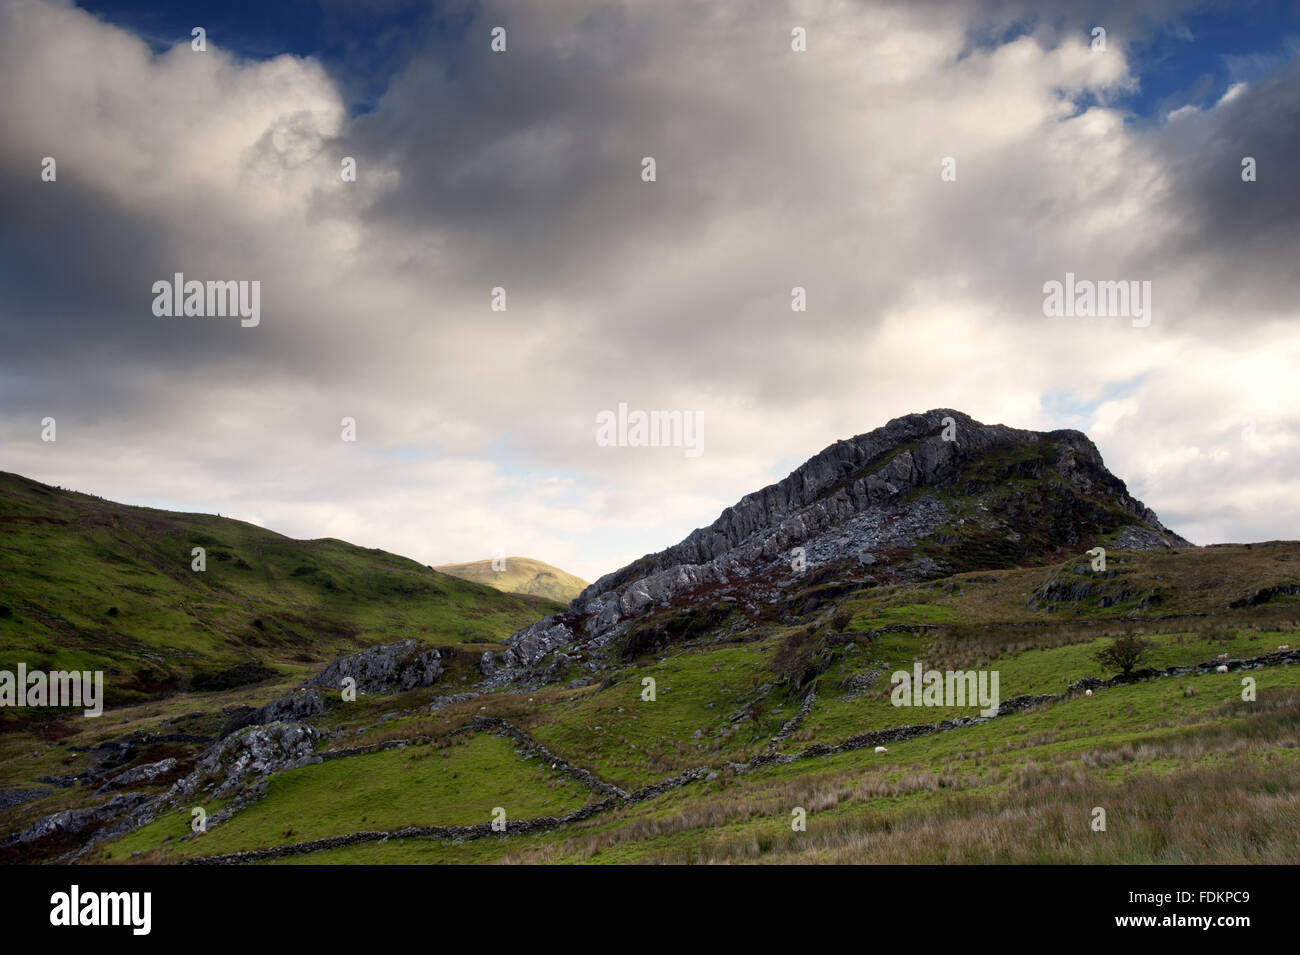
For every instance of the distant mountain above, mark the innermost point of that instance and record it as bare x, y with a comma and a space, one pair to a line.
520, 575
89, 584
925, 496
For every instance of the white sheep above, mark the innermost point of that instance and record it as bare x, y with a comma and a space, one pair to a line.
1087, 692
1221, 668
1285, 646
881, 749
1223, 656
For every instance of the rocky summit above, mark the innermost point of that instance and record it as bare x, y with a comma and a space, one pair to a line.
925, 496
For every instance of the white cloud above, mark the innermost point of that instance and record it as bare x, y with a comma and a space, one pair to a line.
776, 169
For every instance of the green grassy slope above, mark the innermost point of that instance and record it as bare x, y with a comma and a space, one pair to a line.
1198, 779
521, 575
1186, 769
89, 584
458, 783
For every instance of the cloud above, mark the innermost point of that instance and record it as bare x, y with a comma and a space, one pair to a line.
522, 170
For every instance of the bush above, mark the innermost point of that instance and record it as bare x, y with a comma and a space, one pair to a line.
1125, 653
242, 675
794, 654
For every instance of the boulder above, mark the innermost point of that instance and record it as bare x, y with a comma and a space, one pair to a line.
391, 668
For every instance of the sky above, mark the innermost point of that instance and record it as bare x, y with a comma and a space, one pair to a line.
920, 170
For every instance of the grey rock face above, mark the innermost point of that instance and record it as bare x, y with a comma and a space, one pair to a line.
299, 705
1135, 537
846, 502
391, 668
236, 768
529, 645
140, 774
842, 482
9, 798
249, 756
303, 703
79, 820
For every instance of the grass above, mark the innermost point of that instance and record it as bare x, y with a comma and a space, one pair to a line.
632, 742
1203, 779
92, 585
520, 575
457, 784
908, 613
1184, 768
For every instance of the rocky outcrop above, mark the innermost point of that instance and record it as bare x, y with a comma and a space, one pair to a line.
244, 759
391, 668
9, 798
531, 644
138, 775
74, 821
1266, 594
864, 503
302, 704
236, 769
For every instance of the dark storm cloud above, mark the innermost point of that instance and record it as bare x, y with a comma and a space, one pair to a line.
1244, 237
522, 170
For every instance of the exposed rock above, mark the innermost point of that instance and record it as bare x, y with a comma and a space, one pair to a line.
303, 703
530, 645
863, 502
1134, 537
236, 768
79, 820
9, 798
445, 701
857, 683
391, 668
1265, 595
248, 756
140, 774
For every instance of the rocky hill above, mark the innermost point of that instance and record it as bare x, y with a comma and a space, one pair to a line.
924, 496
682, 708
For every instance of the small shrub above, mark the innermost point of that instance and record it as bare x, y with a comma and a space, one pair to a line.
241, 675
794, 654
1125, 653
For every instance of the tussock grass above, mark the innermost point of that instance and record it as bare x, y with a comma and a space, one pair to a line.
1226, 791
